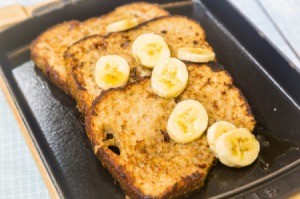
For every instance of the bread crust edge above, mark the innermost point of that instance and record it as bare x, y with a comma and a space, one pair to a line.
43, 64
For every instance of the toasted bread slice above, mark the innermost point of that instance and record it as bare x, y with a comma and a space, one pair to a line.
133, 120
48, 49
81, 57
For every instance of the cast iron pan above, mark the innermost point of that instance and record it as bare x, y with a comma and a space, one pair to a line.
267, 79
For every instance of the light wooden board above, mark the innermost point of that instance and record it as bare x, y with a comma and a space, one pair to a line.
15, 13
11, 15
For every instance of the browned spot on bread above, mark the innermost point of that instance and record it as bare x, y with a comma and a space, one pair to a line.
202, 166
215, 66
166, 135
124, 44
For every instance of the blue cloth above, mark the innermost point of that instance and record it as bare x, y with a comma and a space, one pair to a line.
19, 175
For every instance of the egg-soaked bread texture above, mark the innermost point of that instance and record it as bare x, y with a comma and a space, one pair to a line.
48, 49
81, 58
148, 164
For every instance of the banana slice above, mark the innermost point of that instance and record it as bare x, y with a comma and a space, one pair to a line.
187, 122
215, 131
169, 78
149, 48
111, 71
124, 24
237, 148
198, 55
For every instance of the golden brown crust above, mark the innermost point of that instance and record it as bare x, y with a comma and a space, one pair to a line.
134, 120
42, 59
48, 49
178, 31
187, 186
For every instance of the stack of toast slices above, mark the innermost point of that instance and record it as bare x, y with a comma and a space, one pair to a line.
127, 126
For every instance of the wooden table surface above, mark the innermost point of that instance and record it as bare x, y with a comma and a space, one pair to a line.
278, 20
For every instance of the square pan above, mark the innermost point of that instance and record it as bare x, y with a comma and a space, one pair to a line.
55, 132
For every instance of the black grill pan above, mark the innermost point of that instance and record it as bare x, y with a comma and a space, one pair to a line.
268, 80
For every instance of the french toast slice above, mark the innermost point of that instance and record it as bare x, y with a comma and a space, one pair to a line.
48, 49
127, 129
81, 58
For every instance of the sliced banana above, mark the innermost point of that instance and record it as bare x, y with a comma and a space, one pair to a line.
169, 78
237, 148
187, 122
198, 55
149, 48
215, 131
111, 71
124, 24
